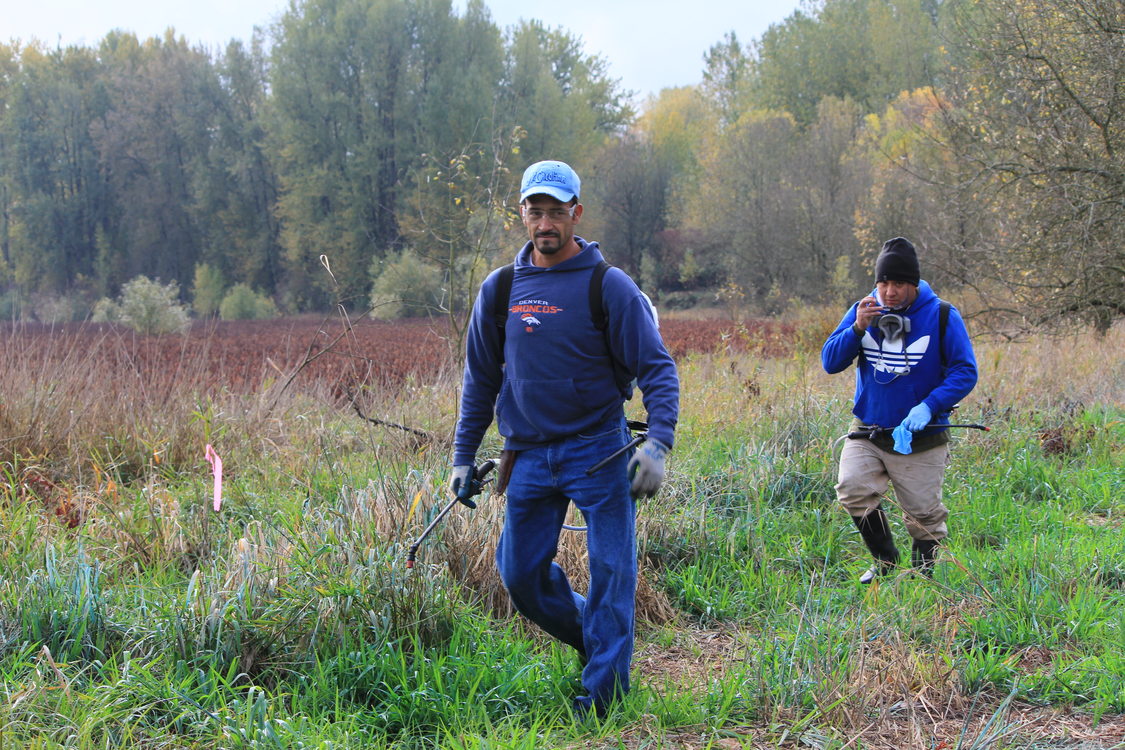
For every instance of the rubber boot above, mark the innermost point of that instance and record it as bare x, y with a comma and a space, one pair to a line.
923, 555
876, 532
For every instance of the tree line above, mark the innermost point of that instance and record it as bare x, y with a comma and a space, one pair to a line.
367, 153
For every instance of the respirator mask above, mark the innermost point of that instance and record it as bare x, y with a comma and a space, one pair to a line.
893, 326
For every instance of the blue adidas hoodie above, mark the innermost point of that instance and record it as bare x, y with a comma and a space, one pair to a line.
893, 377
555, 377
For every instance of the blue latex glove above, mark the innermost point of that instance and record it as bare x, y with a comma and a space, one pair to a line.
646, 468
902, 438
918, 418
461, 484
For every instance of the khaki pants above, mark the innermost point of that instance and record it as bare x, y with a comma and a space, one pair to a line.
865, 471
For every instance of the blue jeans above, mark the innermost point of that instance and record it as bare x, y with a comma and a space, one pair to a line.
599, 625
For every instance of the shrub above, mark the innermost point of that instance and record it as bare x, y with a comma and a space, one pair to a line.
405, 286
106, 311
146, 306
50, 308
243, 303
206, 290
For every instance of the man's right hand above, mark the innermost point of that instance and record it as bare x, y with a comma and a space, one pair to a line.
867, 312
461, 484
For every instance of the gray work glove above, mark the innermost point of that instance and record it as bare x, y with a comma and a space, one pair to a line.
461, 484
646, 468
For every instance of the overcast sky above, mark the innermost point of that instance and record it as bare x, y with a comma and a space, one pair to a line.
650, 44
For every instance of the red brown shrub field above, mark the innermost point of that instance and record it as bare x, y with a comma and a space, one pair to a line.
242, 356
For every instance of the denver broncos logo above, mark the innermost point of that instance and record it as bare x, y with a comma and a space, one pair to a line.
529, 320
888, 357
529, 309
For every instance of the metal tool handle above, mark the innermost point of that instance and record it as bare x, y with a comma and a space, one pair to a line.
631, 444
866, 433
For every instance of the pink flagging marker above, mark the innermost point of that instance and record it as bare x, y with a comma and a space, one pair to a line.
217, 468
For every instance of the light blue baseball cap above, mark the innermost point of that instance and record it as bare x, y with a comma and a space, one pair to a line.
553, 178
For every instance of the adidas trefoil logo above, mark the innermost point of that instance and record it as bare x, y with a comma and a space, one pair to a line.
890, 356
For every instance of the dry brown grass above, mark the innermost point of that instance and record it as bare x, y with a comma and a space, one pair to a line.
466, 543
896, 699
1062, 371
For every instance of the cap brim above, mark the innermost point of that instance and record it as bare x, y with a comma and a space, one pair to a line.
563, 196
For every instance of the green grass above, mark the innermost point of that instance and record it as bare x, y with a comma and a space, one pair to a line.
290, 620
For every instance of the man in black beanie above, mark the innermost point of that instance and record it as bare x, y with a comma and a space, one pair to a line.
914, 363
898, 262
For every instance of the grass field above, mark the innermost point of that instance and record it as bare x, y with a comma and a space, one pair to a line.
132, 615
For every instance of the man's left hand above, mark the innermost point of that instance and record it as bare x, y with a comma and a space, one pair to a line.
646, 468
918, 418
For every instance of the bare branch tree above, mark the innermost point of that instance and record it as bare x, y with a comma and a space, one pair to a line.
1038, 100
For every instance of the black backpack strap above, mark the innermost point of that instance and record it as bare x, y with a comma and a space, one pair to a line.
943, 322
597, 304
503, 299
600, 317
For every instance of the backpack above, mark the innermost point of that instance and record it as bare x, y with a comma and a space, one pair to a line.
597, 310
504, 299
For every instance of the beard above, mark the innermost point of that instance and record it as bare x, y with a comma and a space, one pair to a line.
548, 243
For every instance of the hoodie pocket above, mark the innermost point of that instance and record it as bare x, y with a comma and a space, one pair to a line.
540, 410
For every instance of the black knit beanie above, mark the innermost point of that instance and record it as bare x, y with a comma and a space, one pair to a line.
898, 262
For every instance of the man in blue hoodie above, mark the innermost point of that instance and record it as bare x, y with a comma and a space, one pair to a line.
911, 370
558, 383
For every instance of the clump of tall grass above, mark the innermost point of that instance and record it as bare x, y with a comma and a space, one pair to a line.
78, 404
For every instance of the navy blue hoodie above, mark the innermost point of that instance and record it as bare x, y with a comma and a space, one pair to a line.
555, 377
893, 379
